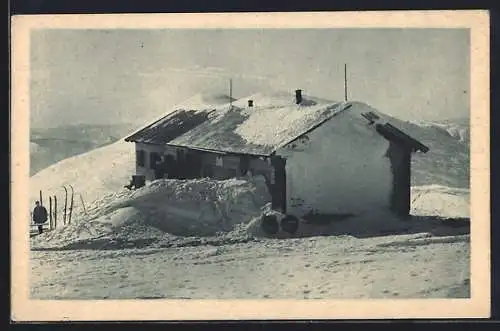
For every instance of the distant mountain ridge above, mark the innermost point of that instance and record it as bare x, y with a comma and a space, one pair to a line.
50, 145
458, 128
447, 162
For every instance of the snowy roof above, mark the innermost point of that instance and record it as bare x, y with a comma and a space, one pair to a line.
186, 116
170, 126
258, 130
273, 121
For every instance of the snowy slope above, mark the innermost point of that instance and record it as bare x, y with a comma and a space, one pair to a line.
50, 145
92, 174
448, 160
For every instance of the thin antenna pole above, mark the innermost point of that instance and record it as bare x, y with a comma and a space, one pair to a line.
345, 82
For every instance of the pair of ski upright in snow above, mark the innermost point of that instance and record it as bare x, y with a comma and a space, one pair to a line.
53, 211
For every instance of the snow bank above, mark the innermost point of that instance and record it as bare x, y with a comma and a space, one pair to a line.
375, 222
430, 205
124, 223
199, 207
438, 200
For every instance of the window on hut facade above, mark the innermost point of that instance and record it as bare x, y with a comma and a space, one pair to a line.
153, 158
219, 161
140, 157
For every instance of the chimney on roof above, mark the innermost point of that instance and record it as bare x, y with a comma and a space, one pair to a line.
250, 103
298, 96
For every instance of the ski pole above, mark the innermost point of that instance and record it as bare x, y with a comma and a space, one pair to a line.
50, 213
83, 204
71, 204
55, 211
65, 204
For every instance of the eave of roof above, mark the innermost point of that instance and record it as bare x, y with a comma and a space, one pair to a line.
392, 133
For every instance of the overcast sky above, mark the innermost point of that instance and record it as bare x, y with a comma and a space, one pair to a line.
106, 76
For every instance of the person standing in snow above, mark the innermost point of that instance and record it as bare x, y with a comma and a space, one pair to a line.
39, 216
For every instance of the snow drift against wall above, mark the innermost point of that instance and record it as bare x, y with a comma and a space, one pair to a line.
440, 200
198, 207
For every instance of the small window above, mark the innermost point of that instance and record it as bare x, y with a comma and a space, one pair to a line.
140, 157
153, 158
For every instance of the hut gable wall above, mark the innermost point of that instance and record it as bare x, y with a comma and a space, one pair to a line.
339, 168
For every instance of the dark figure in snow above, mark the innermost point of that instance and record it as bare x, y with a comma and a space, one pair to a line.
39, 216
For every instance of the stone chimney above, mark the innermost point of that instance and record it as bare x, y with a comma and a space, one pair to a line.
250, 103
298, 96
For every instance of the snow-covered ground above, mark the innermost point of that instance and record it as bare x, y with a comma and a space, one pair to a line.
132, 258
404, 266
202, 239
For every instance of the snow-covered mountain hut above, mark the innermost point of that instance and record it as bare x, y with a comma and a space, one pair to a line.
318, 156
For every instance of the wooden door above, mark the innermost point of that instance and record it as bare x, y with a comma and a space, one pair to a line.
401, 170
278, 183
